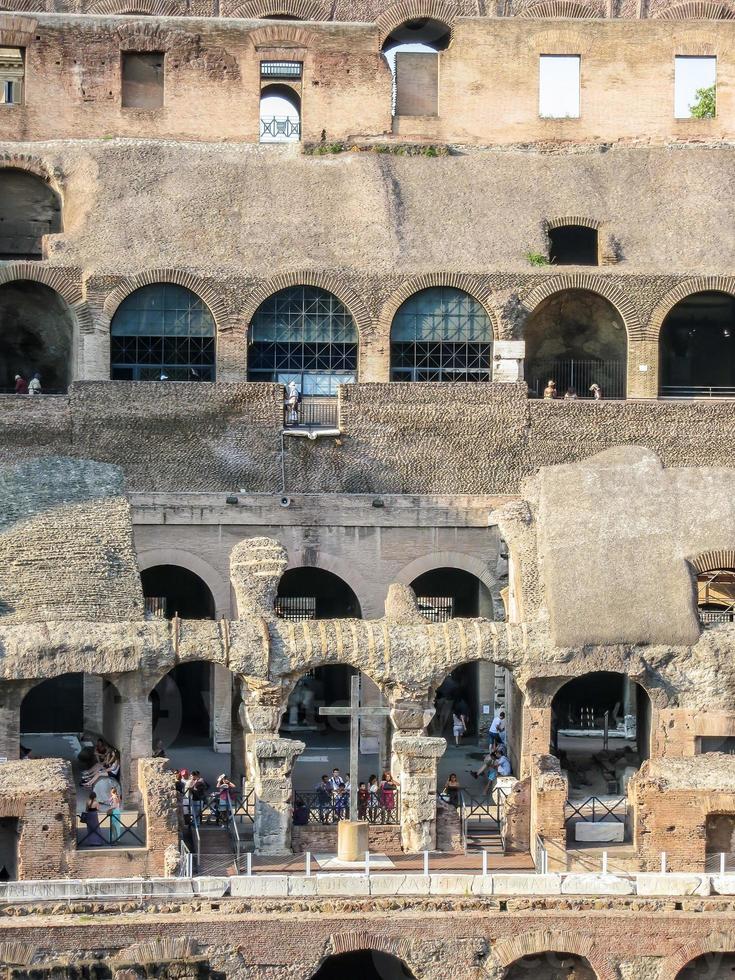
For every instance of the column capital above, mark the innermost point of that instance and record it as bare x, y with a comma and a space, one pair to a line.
411, 717
419, 746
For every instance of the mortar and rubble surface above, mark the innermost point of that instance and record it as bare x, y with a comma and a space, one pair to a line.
200, 203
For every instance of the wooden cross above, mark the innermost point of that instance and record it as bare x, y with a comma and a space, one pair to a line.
354, 712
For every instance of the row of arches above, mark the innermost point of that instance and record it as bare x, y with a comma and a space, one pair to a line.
306, 333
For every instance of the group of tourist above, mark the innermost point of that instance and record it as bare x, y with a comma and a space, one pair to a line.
375, 799
496, 762
104, 765
24, 387
570, 394
195, 796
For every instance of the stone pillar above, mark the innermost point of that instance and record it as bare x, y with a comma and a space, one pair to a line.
485, 696
270, 763
220, 708
508, 358
415, 760
131, 730
93, 710
536, 735
11, 696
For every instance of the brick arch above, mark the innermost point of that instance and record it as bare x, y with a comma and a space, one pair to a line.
206, 292
611, 665
508, 951
217, 585
448, 559
575, 219
399, 13
281, 35
696, 10
301, 9
353, 942
158, 8
457, 280
559, 8
594, 284
711, 560
716, 942
57, 280
32, 165
15, 31
702, 284
323, 280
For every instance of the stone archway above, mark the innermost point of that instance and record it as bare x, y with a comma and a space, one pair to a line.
38, 335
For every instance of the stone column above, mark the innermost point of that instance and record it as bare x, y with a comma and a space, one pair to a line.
220, 708
415, 759
11, 696
270, 761
131, 729
93, 703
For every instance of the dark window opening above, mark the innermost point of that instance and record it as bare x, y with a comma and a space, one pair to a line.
162, 332
36, 336
142, 80
54, 705
9, 838
29, 209
573, 245
307, 335
365, 964
697, 348
173, 590
327, 595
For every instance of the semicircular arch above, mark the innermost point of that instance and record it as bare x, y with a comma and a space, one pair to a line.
154, 277
508, 951
696, 10
321, 280
215, 582
682, 291
709, 561
453, 280
591, 284
158, 8
716, 942
57, 280
448, 559
300, 9
405, 10
560, 8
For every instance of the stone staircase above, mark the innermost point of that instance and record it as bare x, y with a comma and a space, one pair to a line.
483, 836
217, 856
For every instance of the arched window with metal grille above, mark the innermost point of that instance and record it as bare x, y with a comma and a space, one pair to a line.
162, 332
304, 334
441, 334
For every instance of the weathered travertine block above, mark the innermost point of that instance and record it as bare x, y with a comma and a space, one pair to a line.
581, 884
272, 761
415, 761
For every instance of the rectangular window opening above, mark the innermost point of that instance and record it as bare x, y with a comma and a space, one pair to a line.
559, 81
142, 79
695, 87
417, 83
12, 76
280, 69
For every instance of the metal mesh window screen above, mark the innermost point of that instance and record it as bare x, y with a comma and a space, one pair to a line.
307, 334
441, 334
296, 608
163, 329
280, 69
437, 609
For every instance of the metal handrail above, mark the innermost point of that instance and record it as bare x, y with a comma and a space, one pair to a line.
197, 842
541, 856
696, 391
111, 832
280, 127
186, 861
313, 412
578, 808
333, 809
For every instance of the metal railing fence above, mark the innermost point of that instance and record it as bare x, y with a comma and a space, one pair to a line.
696, 391
314, 413
578, 374
328, 810
111, 830
279, 128
595, 810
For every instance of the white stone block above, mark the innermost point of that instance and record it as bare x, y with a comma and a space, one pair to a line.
397, 884
448, 884
210, 886
342, 884
672, 884
482, 885
301, 887
723, 884
589, 884
163, 887
607, 831
526, 884
259, 886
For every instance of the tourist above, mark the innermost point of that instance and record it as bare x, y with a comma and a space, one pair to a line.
300, 813
21, 385
497, 730
596, 392
159, 752
91, 818
374, 797
570, 395
550, 390
489, 763
452, 790
293, 400
504, 766
458, 727
363, 801
324, 797
115, 810
108, 766
387, 793
336, 783
226, 793
34, 388
196, 790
